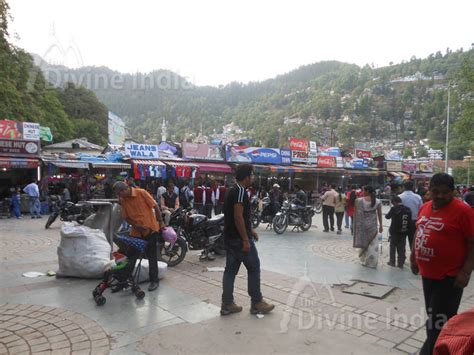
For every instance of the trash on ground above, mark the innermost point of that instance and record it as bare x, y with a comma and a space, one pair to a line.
215, 269
51, 273
260, 316
32, 274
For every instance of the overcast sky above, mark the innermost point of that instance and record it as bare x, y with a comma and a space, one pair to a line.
214, 42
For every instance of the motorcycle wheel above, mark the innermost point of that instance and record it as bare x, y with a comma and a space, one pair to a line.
307, 225
255, 220
219, 248
318, 208
50, 221
280, 223
172, 255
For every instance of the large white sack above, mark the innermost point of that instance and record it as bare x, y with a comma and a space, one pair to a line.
145, 267
83, 251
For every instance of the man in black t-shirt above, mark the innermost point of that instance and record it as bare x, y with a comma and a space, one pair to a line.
240, 238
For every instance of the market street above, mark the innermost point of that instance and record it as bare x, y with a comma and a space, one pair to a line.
304, 274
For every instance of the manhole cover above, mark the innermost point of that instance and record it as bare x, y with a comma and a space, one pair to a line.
369, 289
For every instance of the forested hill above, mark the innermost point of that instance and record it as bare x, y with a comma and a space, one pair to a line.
70, 111
401, 102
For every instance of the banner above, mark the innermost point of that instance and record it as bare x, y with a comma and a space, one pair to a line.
116, 128
330, 151
360, 153
200, 151
393, 155
326, 162
256, 155
299, 144
313, 147
45, 134
359, 163
10, 130
31, 131
426, 167
394, 165
285, 156
409, 167
19, 148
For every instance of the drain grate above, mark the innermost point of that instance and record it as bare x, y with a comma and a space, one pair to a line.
369, 289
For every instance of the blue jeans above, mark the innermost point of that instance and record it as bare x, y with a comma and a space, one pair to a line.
235, 257
347, 220
35, 208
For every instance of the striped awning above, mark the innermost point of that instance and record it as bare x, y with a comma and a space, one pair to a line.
179, 163
214, 167
148, 162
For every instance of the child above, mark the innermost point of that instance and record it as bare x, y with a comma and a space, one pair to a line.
16, 204
399, 228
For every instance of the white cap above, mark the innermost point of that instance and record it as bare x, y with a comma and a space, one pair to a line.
276, 185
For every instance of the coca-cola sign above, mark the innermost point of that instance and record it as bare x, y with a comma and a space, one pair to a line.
326, 162
299, 144
360, 153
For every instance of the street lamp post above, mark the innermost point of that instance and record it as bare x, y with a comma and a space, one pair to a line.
469, 168
447, 135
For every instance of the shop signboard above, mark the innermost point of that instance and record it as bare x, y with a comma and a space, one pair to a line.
299, 144
339, 162
258, 155
394, 166
143, 151
299, 156
312, 157
285, 156
361, 154
31, 131
426, 167
393, 155
358, 163
10, 130
330, 151
313, 147
326, 161
202, 151
116, 128
19, 148
409, 167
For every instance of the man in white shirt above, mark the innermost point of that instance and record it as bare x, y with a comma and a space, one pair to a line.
32, 190
329, 204
414, 203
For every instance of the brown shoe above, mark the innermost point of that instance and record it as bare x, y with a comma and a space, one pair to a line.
261, 307
227, 309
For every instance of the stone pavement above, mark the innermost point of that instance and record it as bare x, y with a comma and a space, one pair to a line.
313, 315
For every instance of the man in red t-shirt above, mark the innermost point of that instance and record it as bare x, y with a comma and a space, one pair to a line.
443, 254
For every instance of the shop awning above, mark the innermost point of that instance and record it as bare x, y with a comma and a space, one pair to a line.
392, 173
71, 164
111, 165
185, 164
19, 163
214, 167
148, 162
365, 172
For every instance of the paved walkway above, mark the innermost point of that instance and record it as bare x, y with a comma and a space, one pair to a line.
313, 314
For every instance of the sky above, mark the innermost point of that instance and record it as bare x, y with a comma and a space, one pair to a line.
214, 42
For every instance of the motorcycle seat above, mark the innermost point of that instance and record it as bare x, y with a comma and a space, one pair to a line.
216, 219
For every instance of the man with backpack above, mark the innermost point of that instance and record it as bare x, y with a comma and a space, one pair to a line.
186, 196
399, 229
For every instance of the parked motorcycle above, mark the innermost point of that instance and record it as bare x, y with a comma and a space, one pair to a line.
200, 232
68, 211
265, 215
291, 214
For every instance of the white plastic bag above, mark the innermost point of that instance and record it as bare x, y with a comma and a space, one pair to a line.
144, 270
83, 252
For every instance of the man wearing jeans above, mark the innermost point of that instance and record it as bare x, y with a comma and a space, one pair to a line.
329, 205
414, 202
443, 254
240, 241
32, 190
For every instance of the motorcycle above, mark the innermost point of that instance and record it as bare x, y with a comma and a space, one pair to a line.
68, 211
300, 217
265, 215
200, 232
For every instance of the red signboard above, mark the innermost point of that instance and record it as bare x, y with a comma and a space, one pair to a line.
10, 130
299, 144
363, 153
18, 163
19, 148
326, 162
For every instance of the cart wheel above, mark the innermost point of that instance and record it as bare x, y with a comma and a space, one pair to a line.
100, 300
139, 294
97, 292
